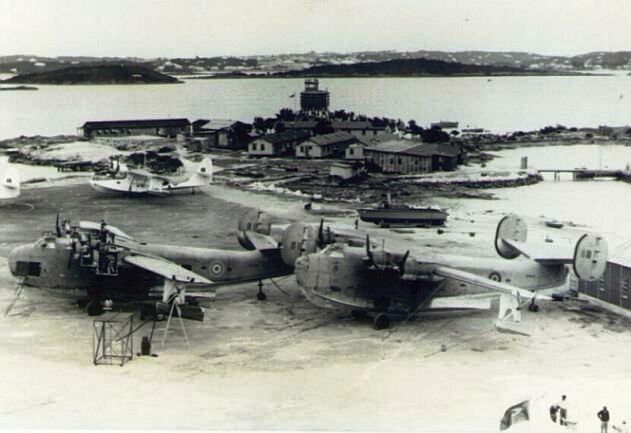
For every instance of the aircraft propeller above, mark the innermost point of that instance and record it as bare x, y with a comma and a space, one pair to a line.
370, 257
401, 263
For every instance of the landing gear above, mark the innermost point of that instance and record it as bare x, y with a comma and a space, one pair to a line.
382, 321
533, 307
94, 308
261, 296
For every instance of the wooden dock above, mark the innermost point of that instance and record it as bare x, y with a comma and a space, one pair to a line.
589, 174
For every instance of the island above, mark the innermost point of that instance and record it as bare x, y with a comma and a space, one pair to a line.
95, 74
18, 88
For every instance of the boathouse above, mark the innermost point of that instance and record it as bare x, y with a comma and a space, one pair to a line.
121, 128
280, 144
322, 146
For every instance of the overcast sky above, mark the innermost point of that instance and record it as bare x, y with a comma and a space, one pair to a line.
170, 28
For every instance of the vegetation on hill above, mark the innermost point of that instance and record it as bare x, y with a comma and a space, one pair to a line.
403, 67
103, 73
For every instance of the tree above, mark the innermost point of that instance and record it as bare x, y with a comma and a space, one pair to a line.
259, 124
279, 127
434, 135
323, 127
286, 114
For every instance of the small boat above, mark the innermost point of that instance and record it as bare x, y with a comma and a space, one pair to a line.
387, 214
554, 224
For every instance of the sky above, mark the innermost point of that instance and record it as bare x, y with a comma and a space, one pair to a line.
188, 28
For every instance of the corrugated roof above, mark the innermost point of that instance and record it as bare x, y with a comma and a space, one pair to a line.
418, 149
152, 123
332, 138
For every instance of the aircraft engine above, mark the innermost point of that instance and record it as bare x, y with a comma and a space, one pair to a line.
298, 239
510, 227
590, 257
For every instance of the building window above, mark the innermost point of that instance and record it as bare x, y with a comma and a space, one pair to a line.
262, 146
363, 132
626, 292
391, 160
400, 161
350, 151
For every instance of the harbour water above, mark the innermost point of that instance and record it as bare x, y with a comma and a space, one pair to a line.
498, 103
603, 205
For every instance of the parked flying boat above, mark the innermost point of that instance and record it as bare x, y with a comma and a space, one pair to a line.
96, 262
386, 284
9, 180
135, 182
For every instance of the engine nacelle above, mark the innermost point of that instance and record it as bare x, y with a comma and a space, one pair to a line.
298, 239
255, 220
510, 227
590, 257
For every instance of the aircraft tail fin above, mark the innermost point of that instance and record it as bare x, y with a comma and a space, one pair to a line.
590, 257
9, 181
512, 228
202, 177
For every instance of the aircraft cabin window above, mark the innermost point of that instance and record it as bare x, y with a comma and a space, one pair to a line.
29, 269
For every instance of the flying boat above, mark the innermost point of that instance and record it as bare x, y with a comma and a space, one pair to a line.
121, 180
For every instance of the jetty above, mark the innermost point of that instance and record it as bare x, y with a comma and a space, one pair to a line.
588, 174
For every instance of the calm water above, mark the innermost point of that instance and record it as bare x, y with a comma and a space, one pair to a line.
498, 104
603, 205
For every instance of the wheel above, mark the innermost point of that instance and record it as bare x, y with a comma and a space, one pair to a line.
94, 308
382, 321
533, 307
261, 296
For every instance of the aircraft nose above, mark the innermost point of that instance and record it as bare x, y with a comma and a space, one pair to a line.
13, 260
14, 257
300, 268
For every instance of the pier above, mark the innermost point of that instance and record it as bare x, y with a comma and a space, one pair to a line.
587, 174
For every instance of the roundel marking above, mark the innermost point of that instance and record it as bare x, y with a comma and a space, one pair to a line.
216, 268
495, 276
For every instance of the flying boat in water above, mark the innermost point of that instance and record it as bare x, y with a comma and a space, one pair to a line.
9, 180
121, 180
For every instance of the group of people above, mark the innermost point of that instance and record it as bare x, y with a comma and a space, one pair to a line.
559, 412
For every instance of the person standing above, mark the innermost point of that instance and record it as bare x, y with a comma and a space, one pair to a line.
603, 416
563, 410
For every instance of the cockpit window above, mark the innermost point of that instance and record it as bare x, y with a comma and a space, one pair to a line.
28, 269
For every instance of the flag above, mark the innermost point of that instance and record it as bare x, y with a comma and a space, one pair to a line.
514, 414
293, 95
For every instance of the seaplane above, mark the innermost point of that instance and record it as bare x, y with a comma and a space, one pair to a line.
387, 284
98, 264
121, 180
9, 181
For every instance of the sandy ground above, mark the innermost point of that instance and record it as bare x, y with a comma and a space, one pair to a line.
284, 363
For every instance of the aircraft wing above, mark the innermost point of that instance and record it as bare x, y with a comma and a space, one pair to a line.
261, 242
496, 286
544, 253
166, 269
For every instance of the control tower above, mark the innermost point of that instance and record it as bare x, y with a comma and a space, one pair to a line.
313, 100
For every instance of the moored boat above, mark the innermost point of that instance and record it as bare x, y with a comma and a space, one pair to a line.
387, 214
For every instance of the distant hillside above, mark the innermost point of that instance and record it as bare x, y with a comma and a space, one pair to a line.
95, 74
402, 67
